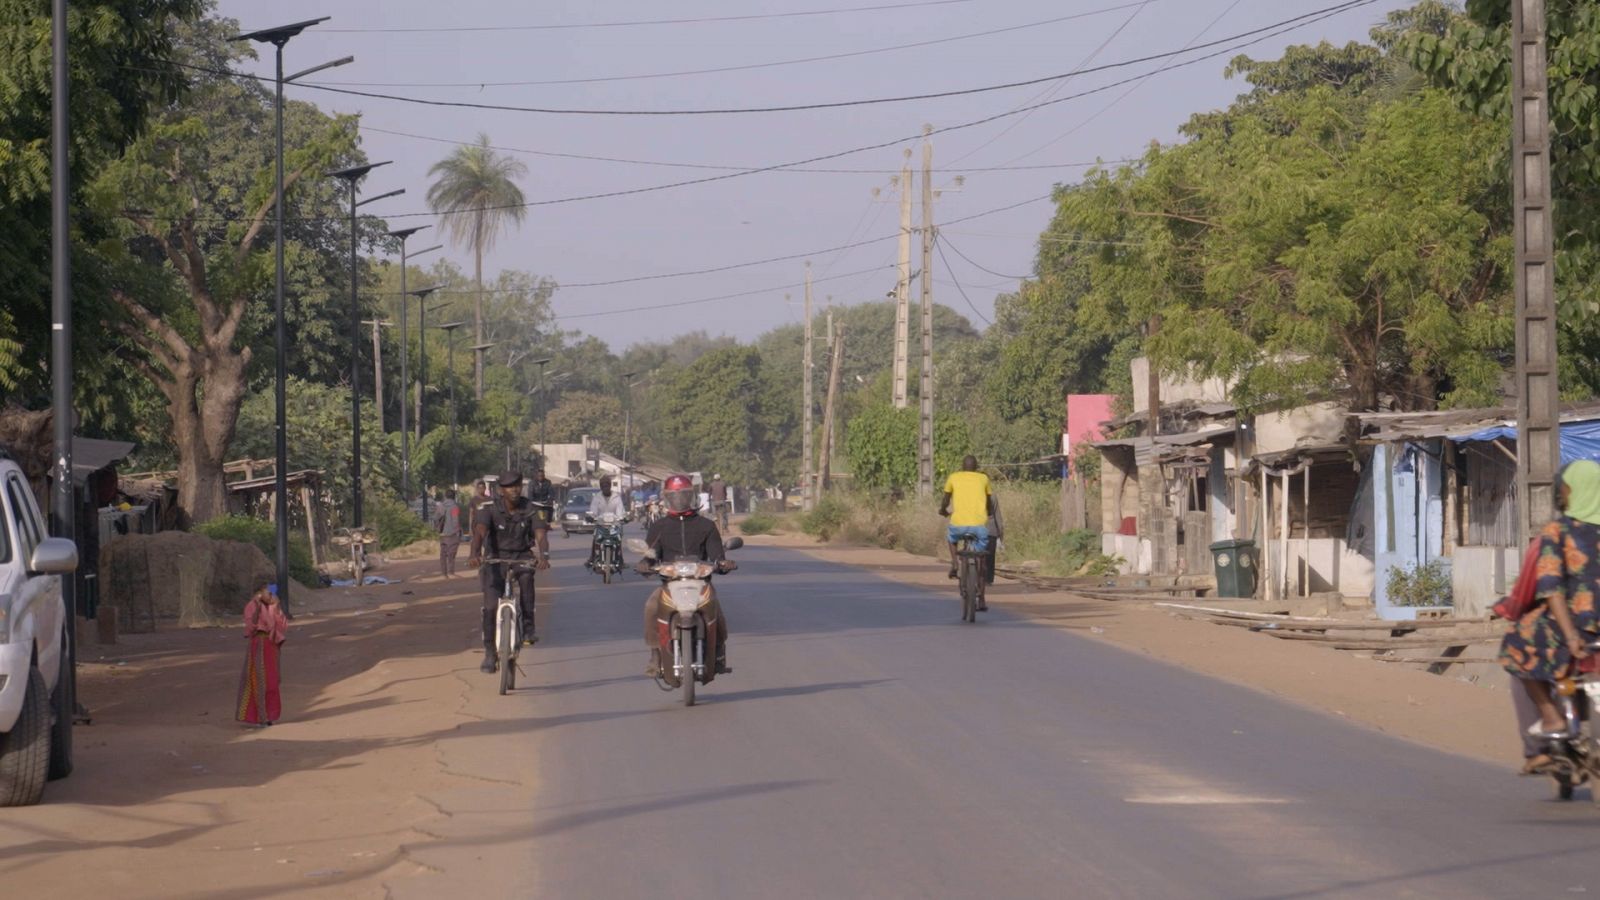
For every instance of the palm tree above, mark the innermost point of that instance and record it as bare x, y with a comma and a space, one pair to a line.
476, 195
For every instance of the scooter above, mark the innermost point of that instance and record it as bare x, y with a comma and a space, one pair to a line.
608, 546
686, 632
356, 540
1575, 750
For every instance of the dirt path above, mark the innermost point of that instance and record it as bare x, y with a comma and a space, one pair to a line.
1445, 712
173, 799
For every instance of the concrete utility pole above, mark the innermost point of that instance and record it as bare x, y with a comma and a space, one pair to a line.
377, 365
837, 340
925, 436
1538, 397
807, 494
902, 291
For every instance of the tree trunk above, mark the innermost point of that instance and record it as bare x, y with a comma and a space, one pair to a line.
203, 426
477, 308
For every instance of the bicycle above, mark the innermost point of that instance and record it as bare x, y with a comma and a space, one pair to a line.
969, 576
724, 515
508, 618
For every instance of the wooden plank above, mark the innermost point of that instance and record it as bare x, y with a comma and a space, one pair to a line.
1437, 660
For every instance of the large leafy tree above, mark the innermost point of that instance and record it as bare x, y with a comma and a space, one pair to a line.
478, 197
121, 72
193, 279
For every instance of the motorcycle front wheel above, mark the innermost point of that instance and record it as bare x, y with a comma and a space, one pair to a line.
686, 653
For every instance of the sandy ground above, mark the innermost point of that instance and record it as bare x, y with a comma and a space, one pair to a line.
322, 804
1449, 713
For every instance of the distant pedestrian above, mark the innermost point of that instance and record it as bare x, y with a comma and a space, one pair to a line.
265, 627
447, 522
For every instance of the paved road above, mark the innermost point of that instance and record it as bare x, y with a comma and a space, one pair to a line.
870, 745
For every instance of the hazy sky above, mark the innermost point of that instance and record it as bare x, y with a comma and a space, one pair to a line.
770, 214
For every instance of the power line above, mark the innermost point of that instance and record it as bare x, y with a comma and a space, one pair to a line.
952, 273
650, 76
941, 238
767, 290
726, 168
628, 192
1304, 18
700, 20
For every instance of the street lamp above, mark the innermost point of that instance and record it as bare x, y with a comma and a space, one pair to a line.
627, 415
541, 363
449, 328
277, 37
350, 176
405, 371
422, 295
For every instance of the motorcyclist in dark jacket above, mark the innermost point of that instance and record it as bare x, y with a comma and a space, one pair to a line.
683, 534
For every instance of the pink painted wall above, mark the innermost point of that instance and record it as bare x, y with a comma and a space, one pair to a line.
1085, 415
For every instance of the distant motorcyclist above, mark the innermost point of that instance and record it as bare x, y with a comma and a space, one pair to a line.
683, 534
720, 507
605, 503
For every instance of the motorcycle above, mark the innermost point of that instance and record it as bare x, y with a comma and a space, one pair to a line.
356, 540
686, 634
1575, 750
608, 546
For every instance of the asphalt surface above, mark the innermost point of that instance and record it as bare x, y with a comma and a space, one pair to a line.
869, 744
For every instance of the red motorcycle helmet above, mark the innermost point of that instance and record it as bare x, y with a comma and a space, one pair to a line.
679, 496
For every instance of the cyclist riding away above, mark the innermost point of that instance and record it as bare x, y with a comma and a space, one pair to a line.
605, 503
968, 502
509, 528
683, 534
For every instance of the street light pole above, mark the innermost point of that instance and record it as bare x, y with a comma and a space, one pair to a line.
63, 512
350, 176
422, 295
543, 405
449, 328
405, 366
278, 37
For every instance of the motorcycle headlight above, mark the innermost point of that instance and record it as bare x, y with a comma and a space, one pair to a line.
686, 569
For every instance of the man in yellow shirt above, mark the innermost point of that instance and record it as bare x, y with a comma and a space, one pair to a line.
968, 502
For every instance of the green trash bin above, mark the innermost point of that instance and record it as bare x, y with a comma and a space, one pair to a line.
1235, 564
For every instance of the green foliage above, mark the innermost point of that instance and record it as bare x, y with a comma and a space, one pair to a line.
824, 520
881, 446
1424, 585
584, 412
264, 535
397, 525
759, 523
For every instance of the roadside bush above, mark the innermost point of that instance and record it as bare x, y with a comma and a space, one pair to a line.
759, 523
1424, 585
397, 526
826, 518
264, 535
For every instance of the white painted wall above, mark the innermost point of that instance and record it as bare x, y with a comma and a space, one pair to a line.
1480, 576
1315, 425
1335, 567
1174, 390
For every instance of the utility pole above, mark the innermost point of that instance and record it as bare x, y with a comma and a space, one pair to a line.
63, 506
1538, 435
925, 435
377, 365
807, 496
827, 409
902, 291
1152, 380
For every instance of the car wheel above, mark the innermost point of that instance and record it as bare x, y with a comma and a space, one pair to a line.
25, 749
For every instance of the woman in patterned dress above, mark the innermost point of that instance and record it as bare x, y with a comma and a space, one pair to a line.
265, 627
1545, 642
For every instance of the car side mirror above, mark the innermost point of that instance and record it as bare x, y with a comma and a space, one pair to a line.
54, 556
733, 543
638, 546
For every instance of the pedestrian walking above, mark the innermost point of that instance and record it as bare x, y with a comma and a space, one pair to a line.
265, 627
447, 522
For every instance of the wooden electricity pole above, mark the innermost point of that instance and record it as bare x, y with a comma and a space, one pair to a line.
1538, 435
377, 365
902, 291
925, 434
827, 409
807, 494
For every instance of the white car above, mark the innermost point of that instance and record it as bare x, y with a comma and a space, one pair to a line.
35, 663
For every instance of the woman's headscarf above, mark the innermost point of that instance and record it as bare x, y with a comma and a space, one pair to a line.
1582, 479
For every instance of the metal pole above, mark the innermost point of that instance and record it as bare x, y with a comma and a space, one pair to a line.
902, 291
455, 451
280, 490
422, 382
1538, 436
806, 373
355, 369
405, 381
63, 512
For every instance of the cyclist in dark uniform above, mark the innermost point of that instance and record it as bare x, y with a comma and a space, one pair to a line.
510, 528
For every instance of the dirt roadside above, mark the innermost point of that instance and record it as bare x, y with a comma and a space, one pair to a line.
173, 799
1444, 712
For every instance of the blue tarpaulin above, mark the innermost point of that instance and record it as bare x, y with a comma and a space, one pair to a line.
1579, 440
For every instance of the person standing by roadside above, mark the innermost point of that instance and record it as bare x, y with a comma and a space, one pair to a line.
265, 627
447, 522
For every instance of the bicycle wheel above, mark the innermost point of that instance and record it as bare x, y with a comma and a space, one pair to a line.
508, 643
969, 591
